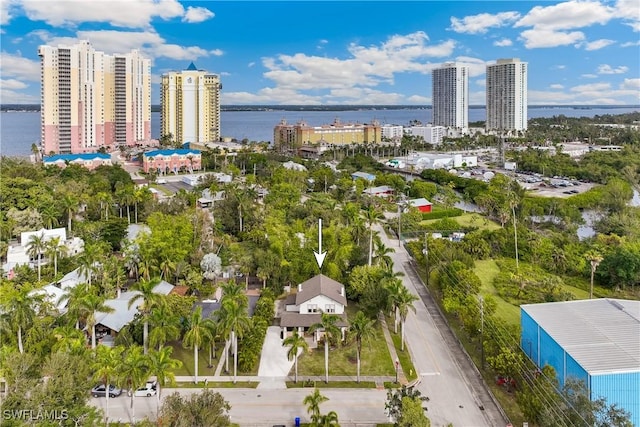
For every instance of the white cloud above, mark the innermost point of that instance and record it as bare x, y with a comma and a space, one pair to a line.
591, 87
631, 84
540, 38
270, 96
7, 9
120, 13
12, 97
593, 93
481, 82
150, 43
224, 73
629, 44
251, 64
567, 15
629, 11
560, 67
598, 44
479, 24
556, 86
503, 43
197, 14
589, 76
15, 65
477, 67
12, 84
608, 69
419, 99
364, 66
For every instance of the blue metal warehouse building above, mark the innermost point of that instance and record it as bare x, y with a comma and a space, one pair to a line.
596, 341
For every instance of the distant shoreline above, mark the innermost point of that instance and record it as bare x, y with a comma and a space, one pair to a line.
156, 108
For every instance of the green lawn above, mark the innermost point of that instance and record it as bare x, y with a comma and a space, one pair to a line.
487, 270
219, 384
470, 220
403, 357
186, 357
331, 384
375, 359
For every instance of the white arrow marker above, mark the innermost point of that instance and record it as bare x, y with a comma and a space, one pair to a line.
320, 255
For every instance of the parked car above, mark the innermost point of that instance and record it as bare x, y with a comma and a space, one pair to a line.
100, 391
147, 390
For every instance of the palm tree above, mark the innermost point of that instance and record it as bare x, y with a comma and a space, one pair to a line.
139, 195
49, 215
214, 330
21, 303
36, 246
331, 331
233, 291
313, 402
53, 248
404, 303
382, 254
235, 319
198, 333
149, 300
362, 329
165, 326
394, 288
594, 259
296, 342
90, 305
328, 420
73, 296
161, 365
69, 340
70, 204
372, 215
88, 260
134, 371
106, 367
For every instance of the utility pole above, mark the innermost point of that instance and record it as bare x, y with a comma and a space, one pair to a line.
426, 256
400, 224
481, 332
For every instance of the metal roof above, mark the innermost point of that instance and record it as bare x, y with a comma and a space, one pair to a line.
602, 335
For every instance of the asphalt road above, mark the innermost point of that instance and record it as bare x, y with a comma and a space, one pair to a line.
252, 407
456, 394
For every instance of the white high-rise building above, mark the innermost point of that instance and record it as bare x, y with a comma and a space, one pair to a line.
507, 95
450, 96
190, 105
91, 100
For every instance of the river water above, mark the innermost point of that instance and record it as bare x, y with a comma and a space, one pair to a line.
18, 130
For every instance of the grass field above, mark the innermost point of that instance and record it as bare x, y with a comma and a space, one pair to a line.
487, 270
470, 220
332, 384
375, 359
404, 358
219, 384
186, 357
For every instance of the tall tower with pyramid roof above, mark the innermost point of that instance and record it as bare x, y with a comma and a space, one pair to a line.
190, 105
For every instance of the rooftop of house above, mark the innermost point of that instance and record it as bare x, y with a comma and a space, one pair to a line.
321, 285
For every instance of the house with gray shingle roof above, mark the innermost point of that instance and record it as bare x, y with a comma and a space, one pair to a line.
304, 307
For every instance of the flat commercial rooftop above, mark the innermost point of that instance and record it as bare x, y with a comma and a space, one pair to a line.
602, 335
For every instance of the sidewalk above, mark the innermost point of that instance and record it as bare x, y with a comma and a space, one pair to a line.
301, 378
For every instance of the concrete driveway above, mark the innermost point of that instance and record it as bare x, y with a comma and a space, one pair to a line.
274, 364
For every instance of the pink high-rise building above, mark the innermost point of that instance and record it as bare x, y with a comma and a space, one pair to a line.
91, 100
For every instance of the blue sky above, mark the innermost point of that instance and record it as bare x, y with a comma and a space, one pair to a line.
335, 52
